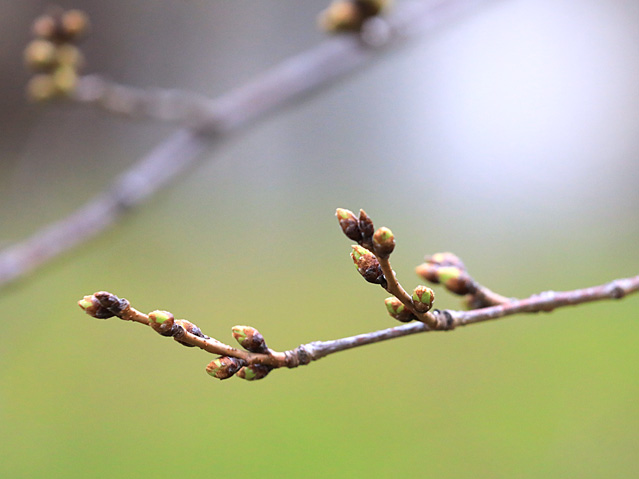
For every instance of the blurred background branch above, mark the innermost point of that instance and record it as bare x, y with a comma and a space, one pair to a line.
290, 80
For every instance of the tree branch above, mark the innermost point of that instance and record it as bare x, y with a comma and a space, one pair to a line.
445, 268
306, 353
209, 122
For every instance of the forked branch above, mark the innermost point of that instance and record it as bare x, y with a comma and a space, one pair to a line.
256, 360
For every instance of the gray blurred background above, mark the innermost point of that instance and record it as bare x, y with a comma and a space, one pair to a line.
509, 136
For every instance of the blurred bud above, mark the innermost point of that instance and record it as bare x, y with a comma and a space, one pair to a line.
371, 8
341, 16
224, 367
41, 88
70, 56
454, 279
162, 322
428, 272
65, 79
350, 15
40, 55
423, 298
398, 310
254, 372
250, 339
349, 224
367, 265
383, 242
366, 227
44, 27
74, 24
445, 259
92, 307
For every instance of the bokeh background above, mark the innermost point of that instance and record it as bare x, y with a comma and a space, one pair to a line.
509, 136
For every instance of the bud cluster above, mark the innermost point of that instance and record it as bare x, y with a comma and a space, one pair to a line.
53, 55
359, 229
447, 269
350, 15
252, 340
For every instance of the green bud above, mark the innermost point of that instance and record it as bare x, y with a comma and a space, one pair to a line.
359, 252
454, 279
224, 367
250, 339
254, 372
383, 242
65, 79
398, 310
162, 322
423, 298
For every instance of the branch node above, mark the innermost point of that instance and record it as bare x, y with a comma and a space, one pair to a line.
615, 290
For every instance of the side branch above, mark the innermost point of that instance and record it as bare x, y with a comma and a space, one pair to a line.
546, 301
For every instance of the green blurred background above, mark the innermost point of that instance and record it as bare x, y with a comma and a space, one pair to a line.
509, 136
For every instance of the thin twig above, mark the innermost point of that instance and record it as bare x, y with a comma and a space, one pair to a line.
396, 289
289, 81
306, 353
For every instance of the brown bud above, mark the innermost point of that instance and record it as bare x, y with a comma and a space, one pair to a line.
189, 327
224, 367
254, 372
250, 339
92, 307
366, 226
367, 265
349, 224
112, 302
